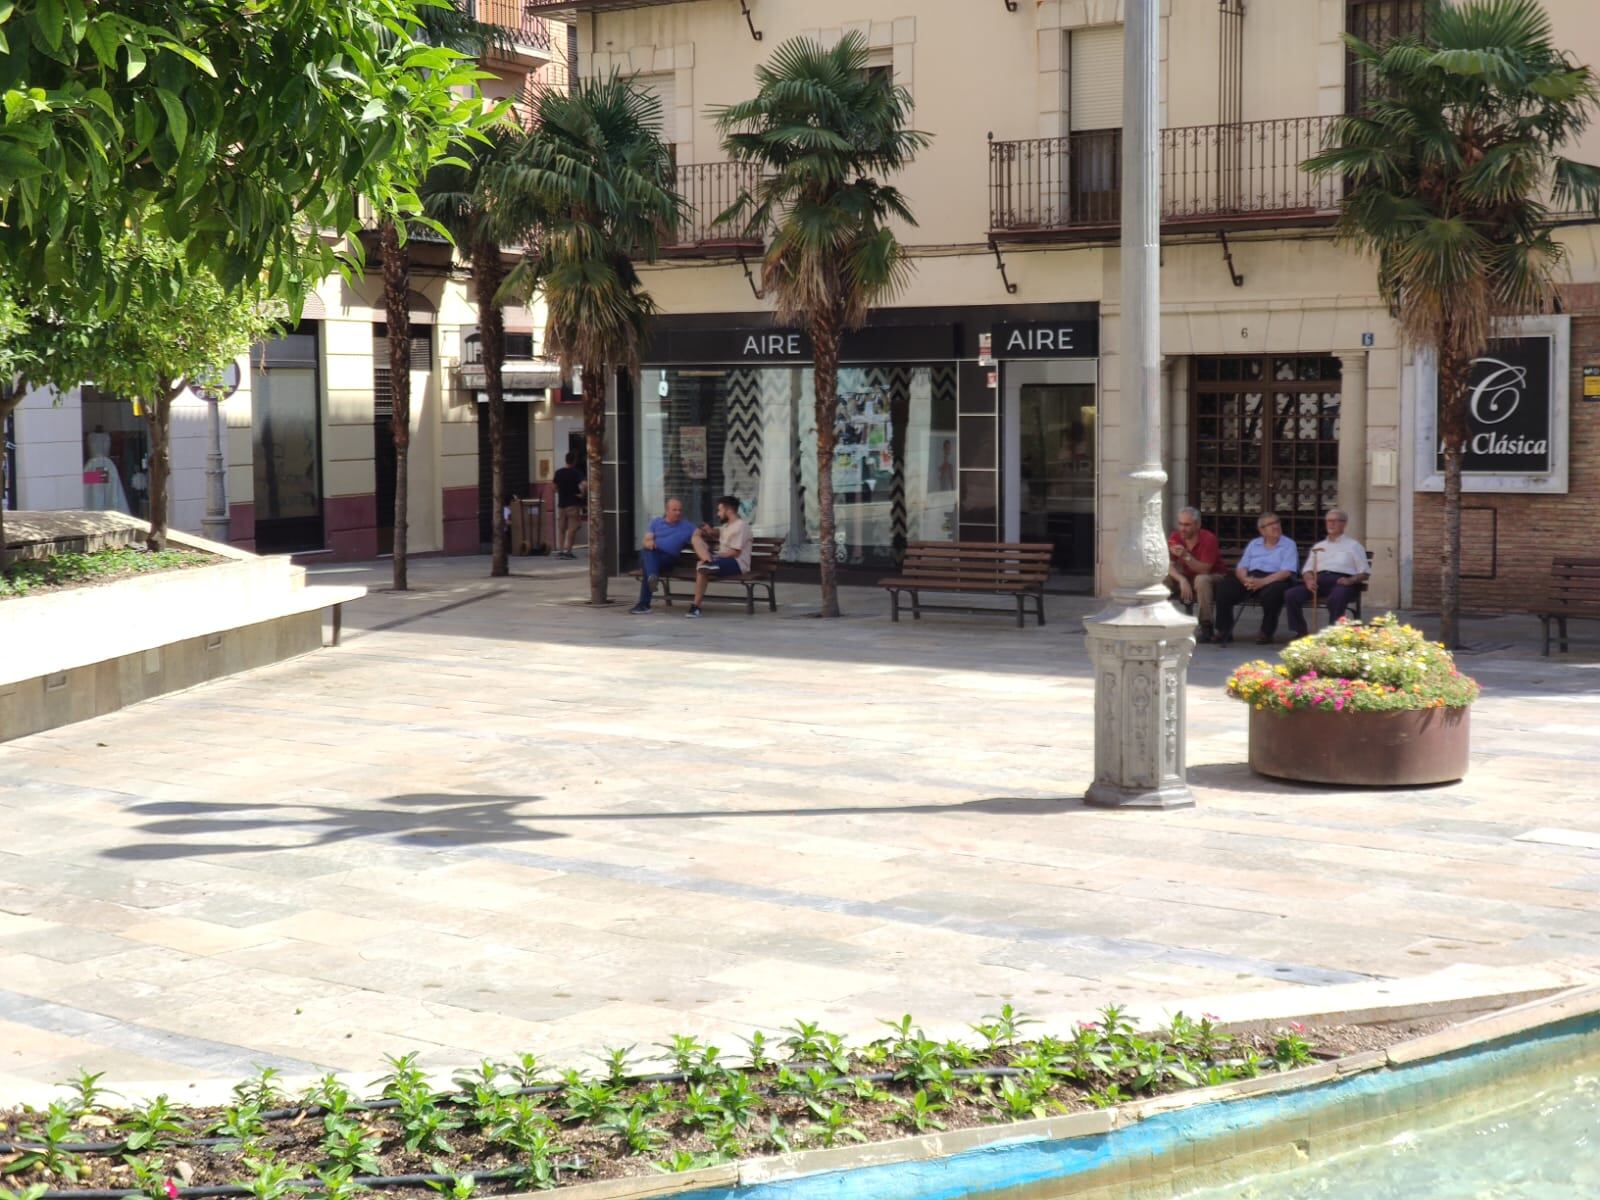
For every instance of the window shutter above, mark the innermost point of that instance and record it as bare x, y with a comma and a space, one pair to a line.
1095, 100
664, 87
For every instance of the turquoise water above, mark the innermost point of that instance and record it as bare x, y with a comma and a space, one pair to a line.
1543, 1144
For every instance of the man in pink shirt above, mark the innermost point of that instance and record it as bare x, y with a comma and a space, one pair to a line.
1196, 567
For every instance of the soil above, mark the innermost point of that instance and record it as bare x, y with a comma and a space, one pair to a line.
587, 1151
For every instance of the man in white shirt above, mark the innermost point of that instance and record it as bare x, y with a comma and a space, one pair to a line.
732, 556
1334, 571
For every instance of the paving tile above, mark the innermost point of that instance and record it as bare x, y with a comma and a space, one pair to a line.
528, 824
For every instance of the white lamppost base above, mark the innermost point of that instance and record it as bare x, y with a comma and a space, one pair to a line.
1140, 646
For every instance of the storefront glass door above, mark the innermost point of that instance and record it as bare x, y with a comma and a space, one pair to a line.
1056, 431
286, 419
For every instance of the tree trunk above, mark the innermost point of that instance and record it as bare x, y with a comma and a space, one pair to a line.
397, 312
10, 399
159, 419
825, 333
594, 443
1453, 434
488, 269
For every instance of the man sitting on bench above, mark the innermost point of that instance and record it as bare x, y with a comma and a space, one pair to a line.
1335, 570
732, 556
667, 537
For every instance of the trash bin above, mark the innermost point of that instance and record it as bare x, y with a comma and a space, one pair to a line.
526, 516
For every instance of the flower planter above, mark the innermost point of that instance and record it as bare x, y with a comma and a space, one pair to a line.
1387, 749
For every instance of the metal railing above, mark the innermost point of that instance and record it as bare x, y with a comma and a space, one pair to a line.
709, 190
513, 17
1237, 174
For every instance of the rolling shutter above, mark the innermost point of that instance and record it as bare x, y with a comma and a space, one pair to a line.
664, 87
1095, 100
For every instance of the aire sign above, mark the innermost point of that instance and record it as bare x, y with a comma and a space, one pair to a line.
1047, 339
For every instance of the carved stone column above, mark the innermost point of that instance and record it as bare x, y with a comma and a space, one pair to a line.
1140, 644
1353, 441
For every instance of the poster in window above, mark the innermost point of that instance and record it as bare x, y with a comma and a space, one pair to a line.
692, 450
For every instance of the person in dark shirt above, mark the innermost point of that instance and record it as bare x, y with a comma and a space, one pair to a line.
571, 489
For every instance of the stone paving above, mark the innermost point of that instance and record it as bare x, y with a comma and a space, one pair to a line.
496, 819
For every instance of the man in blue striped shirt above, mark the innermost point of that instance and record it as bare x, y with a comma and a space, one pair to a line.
1266, 569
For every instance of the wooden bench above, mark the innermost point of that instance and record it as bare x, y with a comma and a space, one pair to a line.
1231, 553
763, 573
1017, 569
1574, 592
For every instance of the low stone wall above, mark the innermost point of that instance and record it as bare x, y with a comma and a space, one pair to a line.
48, 701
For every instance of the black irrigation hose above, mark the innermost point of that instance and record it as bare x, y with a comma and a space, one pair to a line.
372, 1182
388, 1102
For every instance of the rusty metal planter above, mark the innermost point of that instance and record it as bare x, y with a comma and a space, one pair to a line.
1375, 749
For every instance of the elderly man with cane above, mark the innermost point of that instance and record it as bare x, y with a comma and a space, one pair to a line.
1333, 574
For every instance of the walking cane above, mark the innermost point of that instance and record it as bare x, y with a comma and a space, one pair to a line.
1316, 578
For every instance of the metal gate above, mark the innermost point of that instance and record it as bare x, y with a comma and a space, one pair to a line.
1264, 435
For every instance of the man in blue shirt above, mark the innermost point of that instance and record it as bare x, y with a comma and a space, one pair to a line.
1265, 571
667, 537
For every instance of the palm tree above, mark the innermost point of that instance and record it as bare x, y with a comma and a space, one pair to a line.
595, 180
1454, 170
824, 130
459, 197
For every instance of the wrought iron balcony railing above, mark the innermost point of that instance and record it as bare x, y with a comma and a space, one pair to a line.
517, 19
1212, 177
709, 190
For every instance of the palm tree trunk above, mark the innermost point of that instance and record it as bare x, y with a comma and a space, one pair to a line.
488, 269
396, 293
1453, 433
159, 418
825, 332
594, 442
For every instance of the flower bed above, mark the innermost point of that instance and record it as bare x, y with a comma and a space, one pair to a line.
1381, 666
507, 1127
1372, 704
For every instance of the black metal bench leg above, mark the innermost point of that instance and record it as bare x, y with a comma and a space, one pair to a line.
749, 599
1544, 624
894, 605
1038, 601
1563, 621
916, 605
772, 596
1022, 612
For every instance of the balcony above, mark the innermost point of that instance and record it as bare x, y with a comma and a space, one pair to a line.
551, 8
1213, 177
529, 39
709, 190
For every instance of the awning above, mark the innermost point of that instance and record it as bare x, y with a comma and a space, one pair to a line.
514, 376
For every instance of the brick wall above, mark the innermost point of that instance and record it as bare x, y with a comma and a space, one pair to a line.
1514, 537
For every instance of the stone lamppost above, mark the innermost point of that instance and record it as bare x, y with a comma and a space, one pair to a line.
1140, 644
215, 524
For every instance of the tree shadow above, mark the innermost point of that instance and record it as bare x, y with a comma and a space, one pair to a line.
425, 821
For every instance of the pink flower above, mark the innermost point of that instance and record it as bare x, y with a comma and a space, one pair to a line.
1211, 1016
171, 1189
1297, 1027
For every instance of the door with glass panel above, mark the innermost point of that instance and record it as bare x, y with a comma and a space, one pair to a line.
286, 436
1056, 436
1266, 436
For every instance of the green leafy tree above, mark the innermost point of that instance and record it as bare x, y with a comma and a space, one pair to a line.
458, 31
825, 131
593, 185
177, 326
244, 133
1454, 170
460, 197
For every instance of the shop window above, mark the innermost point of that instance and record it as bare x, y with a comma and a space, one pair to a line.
751, 432
116, 455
